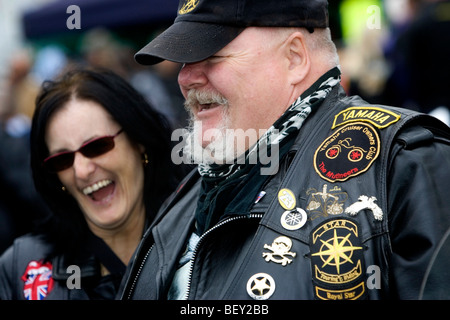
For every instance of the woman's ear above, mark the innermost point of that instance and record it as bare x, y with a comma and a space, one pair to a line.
144, 155
298, 57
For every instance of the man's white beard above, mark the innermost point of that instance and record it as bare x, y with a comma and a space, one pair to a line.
221, 148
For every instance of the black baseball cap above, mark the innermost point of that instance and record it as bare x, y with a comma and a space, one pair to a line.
204, 27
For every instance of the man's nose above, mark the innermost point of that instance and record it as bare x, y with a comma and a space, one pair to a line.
192, 76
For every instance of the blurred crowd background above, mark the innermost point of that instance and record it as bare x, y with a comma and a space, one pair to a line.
393, 52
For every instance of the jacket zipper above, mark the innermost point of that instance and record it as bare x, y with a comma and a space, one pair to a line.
130, 291
194, 254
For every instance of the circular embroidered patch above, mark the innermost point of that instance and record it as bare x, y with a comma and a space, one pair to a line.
348, 152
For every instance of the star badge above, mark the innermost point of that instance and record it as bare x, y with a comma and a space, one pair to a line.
260, 286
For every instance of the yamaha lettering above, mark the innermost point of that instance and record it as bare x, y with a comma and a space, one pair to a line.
380, 118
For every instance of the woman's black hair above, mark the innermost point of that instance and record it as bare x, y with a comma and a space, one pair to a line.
67, 227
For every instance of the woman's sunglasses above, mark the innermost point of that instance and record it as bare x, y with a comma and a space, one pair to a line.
90, 149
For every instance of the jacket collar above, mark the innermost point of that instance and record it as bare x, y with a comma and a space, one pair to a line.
89, 267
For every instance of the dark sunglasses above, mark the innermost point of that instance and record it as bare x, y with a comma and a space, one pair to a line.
90, 149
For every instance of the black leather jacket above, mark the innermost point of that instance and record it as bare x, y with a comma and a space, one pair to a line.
355, 211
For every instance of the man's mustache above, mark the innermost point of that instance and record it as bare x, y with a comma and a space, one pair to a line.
196, 97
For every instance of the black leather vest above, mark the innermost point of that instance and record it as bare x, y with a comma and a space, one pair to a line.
321, 231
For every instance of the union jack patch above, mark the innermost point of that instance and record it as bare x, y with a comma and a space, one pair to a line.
38, 280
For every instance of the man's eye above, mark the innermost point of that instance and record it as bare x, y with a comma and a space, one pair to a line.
216, 58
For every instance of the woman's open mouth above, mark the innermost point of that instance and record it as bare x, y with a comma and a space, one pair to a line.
100, 190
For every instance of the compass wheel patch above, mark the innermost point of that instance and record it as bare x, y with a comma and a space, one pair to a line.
337, 260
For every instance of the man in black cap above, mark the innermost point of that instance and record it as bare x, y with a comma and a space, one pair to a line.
301, 192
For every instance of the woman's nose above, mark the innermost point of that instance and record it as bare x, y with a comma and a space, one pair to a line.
83, 166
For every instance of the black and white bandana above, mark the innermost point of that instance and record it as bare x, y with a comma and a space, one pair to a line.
290, 122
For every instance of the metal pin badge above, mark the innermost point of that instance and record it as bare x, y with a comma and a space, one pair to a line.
260, 196
286, 198
260, 286
365, 202
294, 219
280, 250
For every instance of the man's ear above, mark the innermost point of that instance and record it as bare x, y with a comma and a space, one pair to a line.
298, 57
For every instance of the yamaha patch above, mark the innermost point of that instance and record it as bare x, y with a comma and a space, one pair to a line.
380, 118
348, 152
337, 260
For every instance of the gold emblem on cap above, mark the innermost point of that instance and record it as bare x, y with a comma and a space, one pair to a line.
188, 6
287, 199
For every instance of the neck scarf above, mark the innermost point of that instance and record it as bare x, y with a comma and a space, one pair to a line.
290, 122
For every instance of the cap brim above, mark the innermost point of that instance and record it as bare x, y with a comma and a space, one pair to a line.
187, 42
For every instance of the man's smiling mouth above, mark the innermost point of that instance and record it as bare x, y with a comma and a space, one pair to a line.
207, 106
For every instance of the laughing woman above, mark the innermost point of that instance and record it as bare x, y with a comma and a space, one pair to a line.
100, 157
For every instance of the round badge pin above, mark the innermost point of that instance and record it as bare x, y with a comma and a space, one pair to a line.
260, 286
286, 198
294, 219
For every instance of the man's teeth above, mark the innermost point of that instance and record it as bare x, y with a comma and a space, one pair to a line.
96, 186
206, 106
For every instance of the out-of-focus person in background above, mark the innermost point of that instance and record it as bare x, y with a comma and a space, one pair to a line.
100, 157
360, 48
21, 208
101, 48
395, 52
419, 57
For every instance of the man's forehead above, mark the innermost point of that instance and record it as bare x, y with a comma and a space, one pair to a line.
251, 37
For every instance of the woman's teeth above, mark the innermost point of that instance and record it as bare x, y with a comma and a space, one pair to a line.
96, 186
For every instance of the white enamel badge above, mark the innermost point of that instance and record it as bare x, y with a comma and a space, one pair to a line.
365, 202
294, 219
